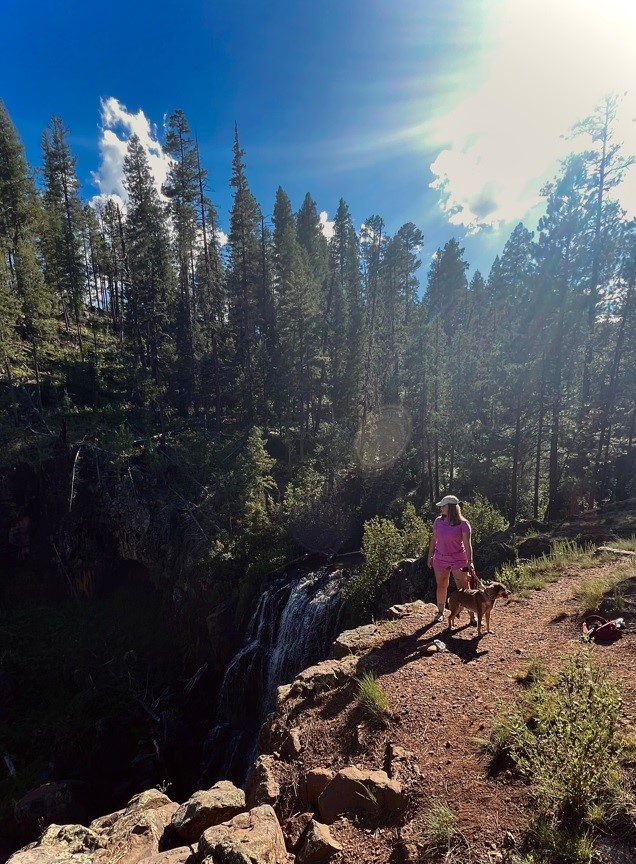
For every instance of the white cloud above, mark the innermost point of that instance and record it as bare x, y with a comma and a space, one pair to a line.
117, 126
551, 63
325, 225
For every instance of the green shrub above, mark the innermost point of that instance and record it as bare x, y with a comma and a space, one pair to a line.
373, 700
416, 533
484, 518
562, 737
552, 844
524, 576
382, 545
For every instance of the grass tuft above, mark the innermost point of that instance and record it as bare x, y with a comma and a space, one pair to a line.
373, 700
440, 832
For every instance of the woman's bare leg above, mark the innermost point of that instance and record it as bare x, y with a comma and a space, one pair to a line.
461, 579
442, 578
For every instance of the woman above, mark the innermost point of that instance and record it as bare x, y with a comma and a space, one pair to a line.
450, 550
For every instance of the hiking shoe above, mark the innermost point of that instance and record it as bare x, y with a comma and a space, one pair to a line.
473, 621
439, 617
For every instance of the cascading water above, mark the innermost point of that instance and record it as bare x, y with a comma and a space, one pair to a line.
292, 628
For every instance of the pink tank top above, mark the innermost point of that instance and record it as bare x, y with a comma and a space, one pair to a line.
449, 542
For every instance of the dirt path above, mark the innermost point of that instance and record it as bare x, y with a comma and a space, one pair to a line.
444, 703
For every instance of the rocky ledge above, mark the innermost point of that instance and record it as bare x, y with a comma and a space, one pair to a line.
226, 825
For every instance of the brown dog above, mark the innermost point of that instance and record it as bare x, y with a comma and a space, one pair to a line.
478, 601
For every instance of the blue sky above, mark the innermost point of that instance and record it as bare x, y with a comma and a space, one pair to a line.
447, 114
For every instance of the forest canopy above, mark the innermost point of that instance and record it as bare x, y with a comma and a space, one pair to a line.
328, 366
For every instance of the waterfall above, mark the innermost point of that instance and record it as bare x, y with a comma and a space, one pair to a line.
292, 628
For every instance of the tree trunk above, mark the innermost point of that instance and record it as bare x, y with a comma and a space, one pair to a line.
14, 407
537, 467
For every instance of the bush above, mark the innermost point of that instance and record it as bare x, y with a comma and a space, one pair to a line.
484, 518
416, 533
562, 737
382, 545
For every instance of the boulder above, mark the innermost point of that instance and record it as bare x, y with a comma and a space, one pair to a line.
282, 693
324, 676
354, 641
249, 838
292, 745
410, 580
294, 830
316, 781
38, 855
535, 547
319, 845
355, 791
262, 784
142, 830
61, 844
401, 764
207, 808
104, 823
404, 610
182, 855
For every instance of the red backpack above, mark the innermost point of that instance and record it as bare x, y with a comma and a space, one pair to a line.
601, 630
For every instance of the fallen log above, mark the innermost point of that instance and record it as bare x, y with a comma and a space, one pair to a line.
602, 549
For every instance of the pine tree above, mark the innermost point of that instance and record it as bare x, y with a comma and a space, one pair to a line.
182, 189
150, 277
561, 263
25, 298
372, 244
401, 263
245, 288
210, 281
343, 316
63, 226
297, 296
606, 167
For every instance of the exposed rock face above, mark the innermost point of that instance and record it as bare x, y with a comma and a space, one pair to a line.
535, 547
182, 855
249, 838
142, 830
262, 785
411, 579
323, 676
316, 781
294, 830
61, 844
292, 745
207, 808
403, 610
353, 641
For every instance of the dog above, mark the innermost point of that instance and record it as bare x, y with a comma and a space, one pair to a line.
479, 601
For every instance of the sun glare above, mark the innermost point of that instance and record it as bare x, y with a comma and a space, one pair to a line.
549, 65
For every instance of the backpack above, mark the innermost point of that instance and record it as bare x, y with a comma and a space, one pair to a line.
601, 630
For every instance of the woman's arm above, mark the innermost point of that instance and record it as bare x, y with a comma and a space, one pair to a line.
431, 547
468, 542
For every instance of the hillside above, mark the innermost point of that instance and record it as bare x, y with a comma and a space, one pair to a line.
442, 707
